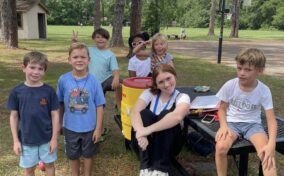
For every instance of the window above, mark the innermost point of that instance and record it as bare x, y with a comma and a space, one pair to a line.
20, 20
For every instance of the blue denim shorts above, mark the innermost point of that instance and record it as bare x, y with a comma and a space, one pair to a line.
31, 155
245, 130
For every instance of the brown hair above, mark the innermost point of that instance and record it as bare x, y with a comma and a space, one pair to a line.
78, 45
156, 37
160, 69
35, 57
101, 31
252, 56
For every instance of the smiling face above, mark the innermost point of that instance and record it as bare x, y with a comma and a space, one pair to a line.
160, 47
79, 59
34, 73
166, 82
247, 75
101, 42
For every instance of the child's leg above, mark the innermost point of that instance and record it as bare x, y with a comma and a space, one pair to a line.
221, 150
88, 163
75, 167
50, 169
30, 171
259, 140
118, 97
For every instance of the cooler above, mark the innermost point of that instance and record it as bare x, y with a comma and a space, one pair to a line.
131, 89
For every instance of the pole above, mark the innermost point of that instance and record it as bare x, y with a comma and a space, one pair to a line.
221, 32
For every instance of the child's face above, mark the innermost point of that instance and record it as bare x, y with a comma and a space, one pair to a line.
100, 41
160, 47
34, 73
79, 60
166, 82
247, 74
136, 41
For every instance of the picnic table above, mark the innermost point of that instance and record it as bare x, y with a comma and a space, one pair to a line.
241, 147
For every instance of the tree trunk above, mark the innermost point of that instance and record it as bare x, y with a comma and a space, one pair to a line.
135, 20
9, 23
117, 40
235, 19
97, 14
212, 18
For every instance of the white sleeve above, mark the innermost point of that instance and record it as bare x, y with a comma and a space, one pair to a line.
267, 102
131, 65
146, 96
223, 93
183, 98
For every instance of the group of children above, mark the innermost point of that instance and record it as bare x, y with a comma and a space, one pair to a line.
38, 111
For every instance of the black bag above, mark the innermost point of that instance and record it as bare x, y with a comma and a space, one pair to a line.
198, 144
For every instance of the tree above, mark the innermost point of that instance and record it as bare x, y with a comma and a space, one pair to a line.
212, 18
135, 16
9, 23
235, 19
97, 14
117, 40
152, 20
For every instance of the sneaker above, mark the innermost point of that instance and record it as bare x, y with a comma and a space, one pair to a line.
145, 172
159, 173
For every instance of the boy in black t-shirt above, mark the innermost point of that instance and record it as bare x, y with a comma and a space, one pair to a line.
34, 111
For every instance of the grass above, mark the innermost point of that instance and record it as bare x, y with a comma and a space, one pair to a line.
113, 159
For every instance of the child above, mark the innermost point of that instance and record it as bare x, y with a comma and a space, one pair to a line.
81, 100
104, 65
240, 110
138, 65
34, 111
158, 54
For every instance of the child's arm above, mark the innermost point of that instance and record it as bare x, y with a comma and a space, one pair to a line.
223, 131
267, 153
55, 130
138, 49
61, 113
99, 124
115, 81
132, 73
14, 123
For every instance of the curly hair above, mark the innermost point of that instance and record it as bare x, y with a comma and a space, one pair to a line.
160, 69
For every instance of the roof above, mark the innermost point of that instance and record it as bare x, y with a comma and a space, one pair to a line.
26, 5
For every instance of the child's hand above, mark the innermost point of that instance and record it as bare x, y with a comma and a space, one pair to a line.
143, 142
52, 145
222, 133
148, 42
74, 37
17, 148
97, 135
115, 83
267, 157
142, 132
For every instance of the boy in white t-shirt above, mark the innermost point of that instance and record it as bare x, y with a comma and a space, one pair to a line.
240, 113
139, 65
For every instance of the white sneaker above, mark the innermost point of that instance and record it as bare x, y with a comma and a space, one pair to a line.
159, 173
145, 172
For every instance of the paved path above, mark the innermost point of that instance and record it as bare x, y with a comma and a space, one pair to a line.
273, 50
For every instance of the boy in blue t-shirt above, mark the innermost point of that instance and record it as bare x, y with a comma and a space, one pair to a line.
81, 105
34, 112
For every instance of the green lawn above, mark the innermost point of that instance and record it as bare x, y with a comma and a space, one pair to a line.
113, 159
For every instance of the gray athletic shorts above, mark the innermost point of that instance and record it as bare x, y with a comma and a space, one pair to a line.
79, 144
245, 130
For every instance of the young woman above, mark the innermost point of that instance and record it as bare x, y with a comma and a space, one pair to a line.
156, 119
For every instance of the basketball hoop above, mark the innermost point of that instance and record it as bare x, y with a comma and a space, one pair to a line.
228, 16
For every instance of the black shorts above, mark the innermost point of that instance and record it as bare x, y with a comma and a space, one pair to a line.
106, 85
79, 144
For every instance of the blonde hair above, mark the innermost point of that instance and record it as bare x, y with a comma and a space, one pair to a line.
162, 68
78, 45
35, 57
252, 56
156, 37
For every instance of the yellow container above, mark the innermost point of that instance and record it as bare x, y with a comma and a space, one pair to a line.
131, 90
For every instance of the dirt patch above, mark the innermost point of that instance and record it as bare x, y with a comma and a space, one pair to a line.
273, 50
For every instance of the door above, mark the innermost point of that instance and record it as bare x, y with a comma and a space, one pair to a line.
41, 26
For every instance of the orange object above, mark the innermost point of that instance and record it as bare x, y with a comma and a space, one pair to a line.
41, 166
